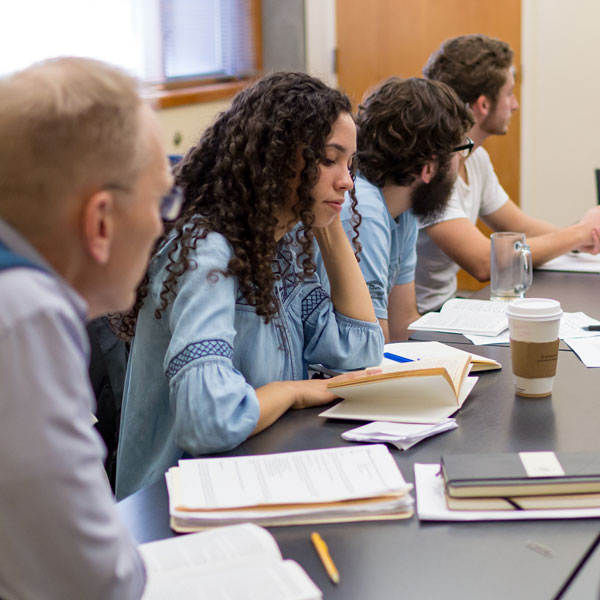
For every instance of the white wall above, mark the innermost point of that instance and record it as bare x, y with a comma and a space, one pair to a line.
319, 16
560, 104
188, 122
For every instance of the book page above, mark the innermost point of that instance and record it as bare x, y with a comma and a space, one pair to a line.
289, 478
235, 545
426, 350
285, 580
459, 322
474, 305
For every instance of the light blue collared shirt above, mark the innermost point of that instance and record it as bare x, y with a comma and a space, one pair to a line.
388, 256
192, 374
60, 531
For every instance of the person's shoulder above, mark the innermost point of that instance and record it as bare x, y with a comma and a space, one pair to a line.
29, 292
480, 159
212, 250
370, 200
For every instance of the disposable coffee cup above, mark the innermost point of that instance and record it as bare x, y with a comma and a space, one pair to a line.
533, 325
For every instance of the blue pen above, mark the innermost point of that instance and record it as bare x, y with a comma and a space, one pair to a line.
396, 357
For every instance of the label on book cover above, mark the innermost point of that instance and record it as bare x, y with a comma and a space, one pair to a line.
541, 464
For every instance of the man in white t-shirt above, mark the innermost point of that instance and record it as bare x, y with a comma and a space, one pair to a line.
480, 70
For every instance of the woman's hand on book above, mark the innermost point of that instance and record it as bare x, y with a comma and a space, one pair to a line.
314, 392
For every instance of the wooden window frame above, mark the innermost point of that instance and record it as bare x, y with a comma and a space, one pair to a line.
193, 91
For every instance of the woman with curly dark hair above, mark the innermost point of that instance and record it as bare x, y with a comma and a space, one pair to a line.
231, 312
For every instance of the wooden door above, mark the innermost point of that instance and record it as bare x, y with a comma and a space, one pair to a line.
379, 38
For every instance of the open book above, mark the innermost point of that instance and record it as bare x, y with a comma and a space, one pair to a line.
478, 317
227, 563
312, 486
416, 351
422, 391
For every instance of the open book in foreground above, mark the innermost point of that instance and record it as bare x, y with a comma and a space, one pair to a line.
477, 317
425, 390
227, 563
313, 486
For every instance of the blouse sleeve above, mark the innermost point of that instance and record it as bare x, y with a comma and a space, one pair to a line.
215, 409
333, 339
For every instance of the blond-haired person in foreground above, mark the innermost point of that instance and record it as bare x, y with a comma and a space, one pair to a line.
83, 176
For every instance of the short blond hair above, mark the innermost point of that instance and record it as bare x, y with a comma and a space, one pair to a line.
68, 126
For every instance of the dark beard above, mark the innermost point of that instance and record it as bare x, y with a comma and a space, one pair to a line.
429, 200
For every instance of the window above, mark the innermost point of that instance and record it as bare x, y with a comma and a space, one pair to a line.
161, 41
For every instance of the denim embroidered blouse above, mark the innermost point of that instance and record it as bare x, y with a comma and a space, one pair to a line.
192, 374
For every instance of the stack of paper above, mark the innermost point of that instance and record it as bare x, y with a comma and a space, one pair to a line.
313, 486
401, 435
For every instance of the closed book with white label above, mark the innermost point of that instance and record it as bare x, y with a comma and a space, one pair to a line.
521, 474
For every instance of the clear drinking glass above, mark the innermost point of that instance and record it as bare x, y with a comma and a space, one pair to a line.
511, 267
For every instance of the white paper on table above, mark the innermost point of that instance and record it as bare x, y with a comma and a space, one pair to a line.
588, 350
571, 326
431, 503
575, 262
401, 435
289, 478
486, 340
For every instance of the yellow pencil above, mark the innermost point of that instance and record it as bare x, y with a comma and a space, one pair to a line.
323, 552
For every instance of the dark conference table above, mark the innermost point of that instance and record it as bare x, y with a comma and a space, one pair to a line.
413, 559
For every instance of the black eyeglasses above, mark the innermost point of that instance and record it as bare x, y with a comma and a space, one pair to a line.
466, 148
170, 203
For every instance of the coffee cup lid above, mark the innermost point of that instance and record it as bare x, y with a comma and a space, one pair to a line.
534, 309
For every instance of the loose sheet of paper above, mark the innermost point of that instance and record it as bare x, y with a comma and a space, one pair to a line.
290, 478
588, 350
574, 262
401, 435
431, 503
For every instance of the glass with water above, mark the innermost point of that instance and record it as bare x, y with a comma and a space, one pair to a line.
511, 267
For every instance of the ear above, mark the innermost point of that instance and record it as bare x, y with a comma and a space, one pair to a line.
428, 171
98, 225
481, 107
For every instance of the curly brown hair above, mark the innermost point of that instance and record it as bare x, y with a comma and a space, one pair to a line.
405, 123
473, 65
240, 175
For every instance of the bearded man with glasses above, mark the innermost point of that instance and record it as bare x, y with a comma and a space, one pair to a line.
411, 134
